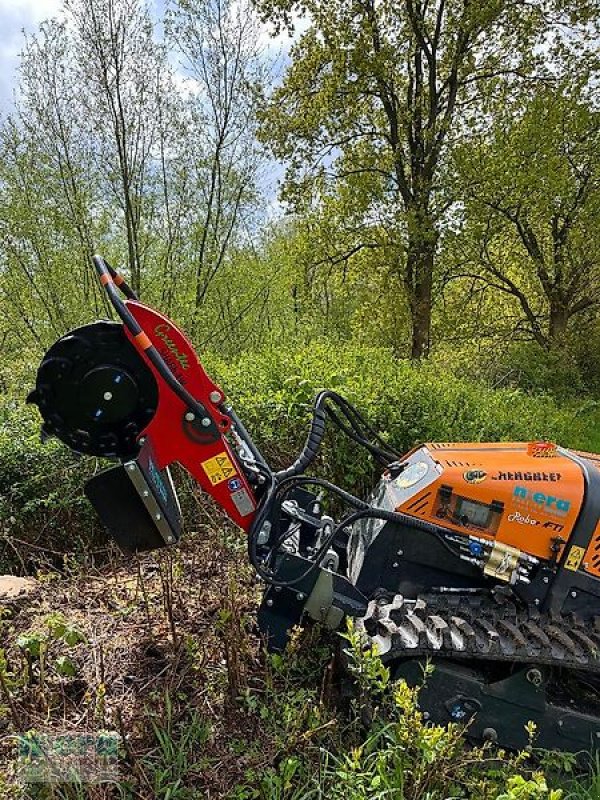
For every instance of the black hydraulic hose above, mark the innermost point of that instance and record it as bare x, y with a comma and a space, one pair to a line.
385, 457
351, 411
364, 511
106, 274
317, 433
313, 441
119, 281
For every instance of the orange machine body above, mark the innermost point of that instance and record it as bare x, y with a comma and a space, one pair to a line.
523, 495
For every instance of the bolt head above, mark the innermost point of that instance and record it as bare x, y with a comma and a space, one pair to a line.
490, 735
108, 395
269, 602
573, 593
299, 596
190, 416
395, 564
170, 539
546, 579
206, 422
131, 468
215, 397
145, 493
157, 516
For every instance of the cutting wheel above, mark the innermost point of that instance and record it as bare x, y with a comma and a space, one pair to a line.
94, 391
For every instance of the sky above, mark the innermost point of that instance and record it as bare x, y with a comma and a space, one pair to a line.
16, 16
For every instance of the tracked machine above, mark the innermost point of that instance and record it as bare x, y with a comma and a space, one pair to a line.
481, 558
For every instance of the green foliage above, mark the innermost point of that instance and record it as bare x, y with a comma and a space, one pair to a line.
531, 202
40, 647
273, 393
587, 789
534, 788
273, 390
42, 506
399, 755
178, 751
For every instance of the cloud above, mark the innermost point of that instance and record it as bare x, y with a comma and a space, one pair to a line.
17, 16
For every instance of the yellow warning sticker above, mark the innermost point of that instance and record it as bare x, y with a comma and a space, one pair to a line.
219, 468
574, 558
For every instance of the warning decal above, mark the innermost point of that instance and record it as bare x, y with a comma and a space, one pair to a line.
219, 468
574, 558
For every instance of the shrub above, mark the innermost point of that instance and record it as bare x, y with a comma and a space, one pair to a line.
273, 391
41, 498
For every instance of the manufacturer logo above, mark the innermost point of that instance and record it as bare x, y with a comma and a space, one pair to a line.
518, 517
541, 501
475, 476
162, 331
550, 477
541, 449
157, 480
234, 484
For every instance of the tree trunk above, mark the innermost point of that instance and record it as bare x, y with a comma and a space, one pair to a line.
559, 319
420, 256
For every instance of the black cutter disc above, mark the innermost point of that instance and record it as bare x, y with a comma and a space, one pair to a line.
94, 391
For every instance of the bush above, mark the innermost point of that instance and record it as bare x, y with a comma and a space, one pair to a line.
41, 497
409, 403
42, 508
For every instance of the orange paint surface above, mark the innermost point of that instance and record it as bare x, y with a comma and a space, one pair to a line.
539, 499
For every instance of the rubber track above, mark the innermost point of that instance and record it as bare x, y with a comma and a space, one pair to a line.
468, 627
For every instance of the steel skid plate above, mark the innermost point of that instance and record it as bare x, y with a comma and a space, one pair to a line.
137, 503
94, 391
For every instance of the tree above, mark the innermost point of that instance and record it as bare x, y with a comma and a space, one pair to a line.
50, 126
531, 214
110, 149
124, 80
375, 93
219, 43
